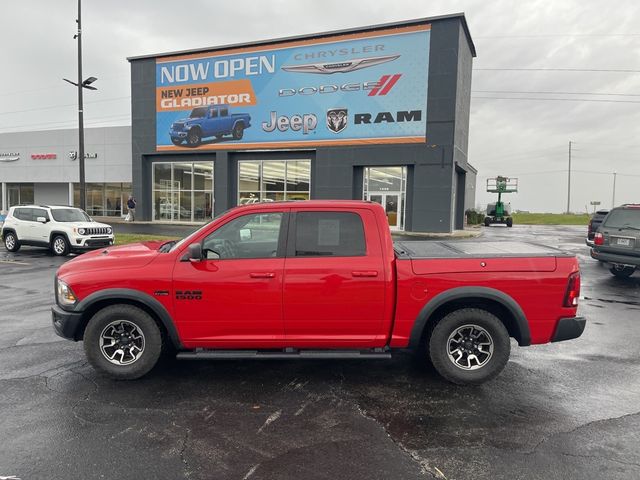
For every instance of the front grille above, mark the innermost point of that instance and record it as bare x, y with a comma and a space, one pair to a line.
96, 231
98, 243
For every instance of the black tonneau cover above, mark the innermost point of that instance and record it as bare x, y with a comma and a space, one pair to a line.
474, 249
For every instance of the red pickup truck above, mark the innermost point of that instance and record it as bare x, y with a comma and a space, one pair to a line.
315, 279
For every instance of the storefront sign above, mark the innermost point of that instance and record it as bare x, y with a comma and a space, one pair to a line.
43, 156
349, 89
9, 157
73, 155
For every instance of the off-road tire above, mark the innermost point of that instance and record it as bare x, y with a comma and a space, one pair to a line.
11, 242
238, 131
60, 246
509, 222
176, 141
624, 272
487, 222
194, 137
131, 314
438, 343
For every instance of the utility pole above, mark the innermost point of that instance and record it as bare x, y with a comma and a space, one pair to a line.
613, 200
83, 186
569, 182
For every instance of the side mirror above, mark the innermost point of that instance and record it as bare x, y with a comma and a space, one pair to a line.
41, 219
195, 252
245, 234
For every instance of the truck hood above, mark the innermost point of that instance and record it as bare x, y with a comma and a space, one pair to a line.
135, 255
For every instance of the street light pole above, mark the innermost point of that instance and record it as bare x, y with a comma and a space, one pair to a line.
569, 182
613, 200
83, 186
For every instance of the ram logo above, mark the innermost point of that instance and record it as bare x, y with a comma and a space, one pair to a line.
188, 294
337, 119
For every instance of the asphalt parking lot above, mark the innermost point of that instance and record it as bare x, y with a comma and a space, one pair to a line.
561, 411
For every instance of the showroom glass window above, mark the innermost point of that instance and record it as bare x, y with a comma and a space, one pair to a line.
273, 180
104, 199
183, 191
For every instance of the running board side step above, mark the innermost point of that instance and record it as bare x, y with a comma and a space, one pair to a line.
204, 354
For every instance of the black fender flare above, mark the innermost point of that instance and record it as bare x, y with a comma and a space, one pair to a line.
117, 294
463, 293
64, 234
9, 230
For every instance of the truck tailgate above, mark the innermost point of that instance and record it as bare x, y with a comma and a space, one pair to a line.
429, 257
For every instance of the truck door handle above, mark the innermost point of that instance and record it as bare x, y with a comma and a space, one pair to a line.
262, 275
364, 273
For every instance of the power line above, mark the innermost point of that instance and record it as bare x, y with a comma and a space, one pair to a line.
539, 35
64, 123
51, 107
560, 70
558, 93
557, 99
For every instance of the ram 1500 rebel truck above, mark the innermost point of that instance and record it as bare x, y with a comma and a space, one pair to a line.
315, 279
210, 121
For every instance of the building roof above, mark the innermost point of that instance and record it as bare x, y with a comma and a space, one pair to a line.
320, 35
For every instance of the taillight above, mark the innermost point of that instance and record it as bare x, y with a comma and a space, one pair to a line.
598, 239
573, 290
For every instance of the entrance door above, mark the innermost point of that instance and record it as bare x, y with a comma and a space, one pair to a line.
392, 203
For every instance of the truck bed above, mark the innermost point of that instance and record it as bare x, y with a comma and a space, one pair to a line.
473, 249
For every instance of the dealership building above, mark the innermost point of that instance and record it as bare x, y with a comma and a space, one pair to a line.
379, 113
42, 167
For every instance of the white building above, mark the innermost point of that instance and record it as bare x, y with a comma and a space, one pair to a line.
42, 167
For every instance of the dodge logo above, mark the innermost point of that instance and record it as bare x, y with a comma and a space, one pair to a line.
337, 119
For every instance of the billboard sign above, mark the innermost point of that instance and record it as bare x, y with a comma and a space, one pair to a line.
349, 89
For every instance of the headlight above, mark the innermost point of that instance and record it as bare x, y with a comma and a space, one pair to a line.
65, 294
81, 231
109, 230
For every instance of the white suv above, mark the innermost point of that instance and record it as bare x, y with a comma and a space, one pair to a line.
61, 229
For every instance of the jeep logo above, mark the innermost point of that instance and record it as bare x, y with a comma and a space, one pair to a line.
388, 117
188, 294
306, 122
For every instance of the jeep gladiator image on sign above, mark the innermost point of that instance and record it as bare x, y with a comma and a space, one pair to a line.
344, 89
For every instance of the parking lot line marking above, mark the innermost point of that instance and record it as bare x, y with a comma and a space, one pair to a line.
12, 262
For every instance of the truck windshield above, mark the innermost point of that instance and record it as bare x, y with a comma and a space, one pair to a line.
198, 112
623, 218
69, 215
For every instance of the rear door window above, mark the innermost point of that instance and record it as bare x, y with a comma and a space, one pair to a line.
38, 212
329, 234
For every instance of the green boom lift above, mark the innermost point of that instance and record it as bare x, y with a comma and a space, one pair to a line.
499, 212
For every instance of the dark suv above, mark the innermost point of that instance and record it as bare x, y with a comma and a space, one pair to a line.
594, 223
617, 240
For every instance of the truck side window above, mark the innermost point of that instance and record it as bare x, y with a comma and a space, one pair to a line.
329, 234
213, 113
224, 112
249, 236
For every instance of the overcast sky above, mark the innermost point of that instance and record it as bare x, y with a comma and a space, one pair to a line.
524, 138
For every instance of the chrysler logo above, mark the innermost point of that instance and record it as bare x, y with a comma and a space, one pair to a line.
339, 67
9, 157
337, 119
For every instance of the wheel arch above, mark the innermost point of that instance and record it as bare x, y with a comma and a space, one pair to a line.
9, 230
55, 233
494, 301
104, 298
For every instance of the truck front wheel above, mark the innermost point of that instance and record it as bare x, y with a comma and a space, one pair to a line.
469, 346
622, 271
194, 138
122, 341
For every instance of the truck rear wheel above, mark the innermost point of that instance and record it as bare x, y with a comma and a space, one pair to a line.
122, 341
487, 221
509, 222
238, 131
469, 346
